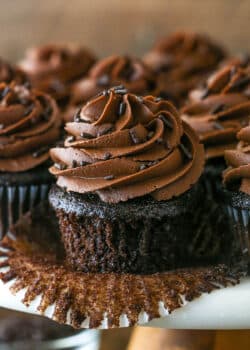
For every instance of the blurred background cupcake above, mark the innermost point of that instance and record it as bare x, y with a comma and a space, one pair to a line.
236, 196
182, 61
29, 125
53, 68
217, 112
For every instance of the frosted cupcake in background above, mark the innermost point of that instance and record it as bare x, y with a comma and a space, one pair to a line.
114, 70
53, 68
29, 125
182, 61
236, 179
217, 112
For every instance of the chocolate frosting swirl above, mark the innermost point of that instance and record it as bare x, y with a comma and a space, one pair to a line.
114, 70
237, 175
29, 124
9, 73
53, 68
131, 72
219, 111
183, 60
122, 146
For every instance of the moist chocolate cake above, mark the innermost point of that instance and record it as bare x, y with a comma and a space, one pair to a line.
127, 195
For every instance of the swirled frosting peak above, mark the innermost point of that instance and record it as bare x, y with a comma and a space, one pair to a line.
221, 109
121, 146
237, 175
53, 68
114, 70
183, 60
29, 125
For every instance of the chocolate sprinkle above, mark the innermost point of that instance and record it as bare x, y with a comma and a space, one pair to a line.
186, 151
85, 135
83, 163
109, 177
143, 166
5, 91
118, 87
134, 137
77, 117
158, 99
71, 139
60, 166
159, 141
240, 83
122, 109
166, 121
121, 91
218, 108
29, 110
218, 125
150, 135
105, 131
74, 163
107, 156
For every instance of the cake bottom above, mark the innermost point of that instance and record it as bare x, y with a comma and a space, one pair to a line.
137, 236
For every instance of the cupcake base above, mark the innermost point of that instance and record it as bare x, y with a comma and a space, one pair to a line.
137, 236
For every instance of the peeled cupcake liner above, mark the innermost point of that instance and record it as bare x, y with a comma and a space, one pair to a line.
32, 263
17, 200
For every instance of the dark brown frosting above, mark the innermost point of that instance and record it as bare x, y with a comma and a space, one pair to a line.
9, 73
219, 110
29, 124
114, 70
238, 161
122, 146
53, 68
183, 60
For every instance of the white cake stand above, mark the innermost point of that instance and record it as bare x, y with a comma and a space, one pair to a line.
227, 308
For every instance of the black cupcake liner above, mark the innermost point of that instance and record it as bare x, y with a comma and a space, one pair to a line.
240, 219
16, 200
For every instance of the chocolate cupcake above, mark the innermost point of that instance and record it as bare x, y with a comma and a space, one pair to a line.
29, 124
217, 112
114, 70
182, 61
236, 196
53, 68
127, 195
